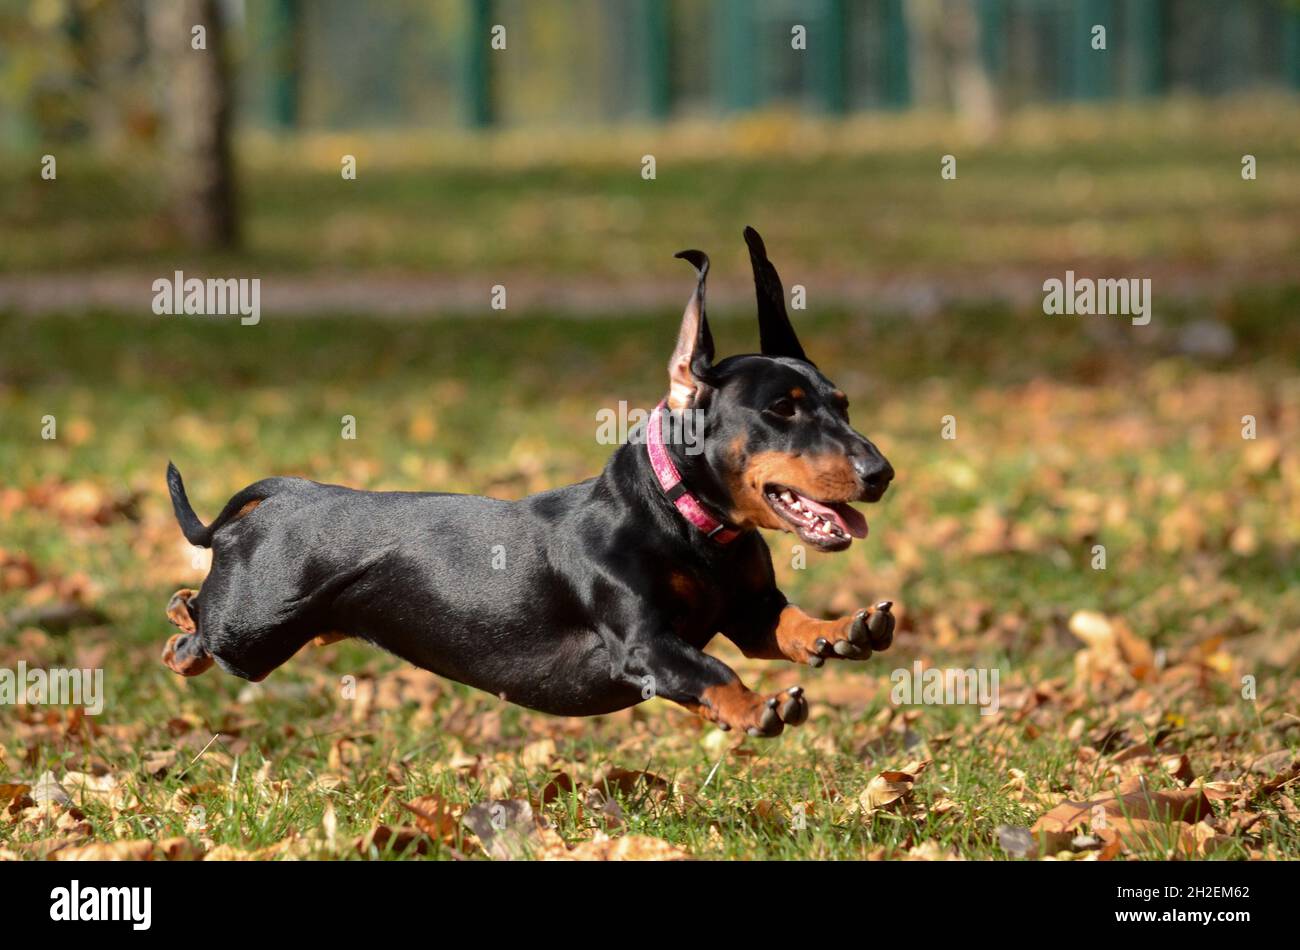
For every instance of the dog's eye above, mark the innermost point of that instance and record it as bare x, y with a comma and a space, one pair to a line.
783, 407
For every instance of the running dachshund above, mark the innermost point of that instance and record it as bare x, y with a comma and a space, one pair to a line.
610, 589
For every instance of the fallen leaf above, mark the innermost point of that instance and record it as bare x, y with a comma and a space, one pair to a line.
47, 790
395, 840
629, 782
15, 797
624, 848
507, 830
891, 786
1056, 829
434, 817
156, 764
140, 850
538, 754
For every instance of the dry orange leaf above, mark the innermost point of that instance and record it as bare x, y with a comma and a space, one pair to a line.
627, 848
627, 780
394, 839
140, 850
891, 786
1058, 827
434, 817
14, 797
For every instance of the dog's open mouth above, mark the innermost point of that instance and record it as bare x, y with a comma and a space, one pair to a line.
830, 526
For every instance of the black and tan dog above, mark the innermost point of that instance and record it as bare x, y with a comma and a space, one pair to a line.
610, 589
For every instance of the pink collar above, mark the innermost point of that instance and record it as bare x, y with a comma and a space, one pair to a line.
670, 480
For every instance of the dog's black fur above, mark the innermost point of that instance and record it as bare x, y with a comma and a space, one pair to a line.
607, 594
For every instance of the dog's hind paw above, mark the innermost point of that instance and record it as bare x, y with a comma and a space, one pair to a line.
178, 610
736, 707
184, 654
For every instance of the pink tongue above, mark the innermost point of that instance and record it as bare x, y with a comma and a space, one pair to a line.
848, 518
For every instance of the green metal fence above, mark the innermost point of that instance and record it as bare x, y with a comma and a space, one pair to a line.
329, 63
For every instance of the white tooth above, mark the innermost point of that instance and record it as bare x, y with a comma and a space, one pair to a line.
786, 496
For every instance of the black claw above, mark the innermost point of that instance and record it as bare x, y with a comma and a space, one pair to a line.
770, 724
725, 727
814, 660
795, 691
821, 645
845, 648
858, 632
795, 710
771, 702
881, 626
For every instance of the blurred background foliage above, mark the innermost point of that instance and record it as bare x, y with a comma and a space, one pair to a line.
473, 159
74, 69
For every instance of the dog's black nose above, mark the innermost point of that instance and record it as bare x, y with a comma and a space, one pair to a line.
875, 472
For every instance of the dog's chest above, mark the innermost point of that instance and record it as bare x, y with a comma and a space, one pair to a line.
696, 606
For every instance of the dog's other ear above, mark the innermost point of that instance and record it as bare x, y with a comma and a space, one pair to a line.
775, 334
693, 357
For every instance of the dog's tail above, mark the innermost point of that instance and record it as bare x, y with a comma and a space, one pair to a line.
194, 530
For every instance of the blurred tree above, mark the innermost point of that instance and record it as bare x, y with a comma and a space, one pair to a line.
972, 89
952, 59
189, 44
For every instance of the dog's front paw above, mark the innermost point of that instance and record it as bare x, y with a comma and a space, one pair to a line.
869, 630
756, 714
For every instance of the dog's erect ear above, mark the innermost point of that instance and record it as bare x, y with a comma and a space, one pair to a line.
693, 357
775, 333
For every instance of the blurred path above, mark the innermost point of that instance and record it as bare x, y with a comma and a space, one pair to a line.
398, 295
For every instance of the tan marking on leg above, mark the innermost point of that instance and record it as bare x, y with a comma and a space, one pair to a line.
188, 665
794, 637
733, 705
178, 610
248, 507
327, 638
796, 632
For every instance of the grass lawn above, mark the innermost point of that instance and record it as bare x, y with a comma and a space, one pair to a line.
1070, 433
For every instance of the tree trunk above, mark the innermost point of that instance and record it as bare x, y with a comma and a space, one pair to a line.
199, 107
